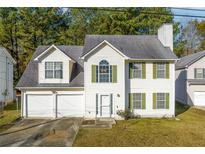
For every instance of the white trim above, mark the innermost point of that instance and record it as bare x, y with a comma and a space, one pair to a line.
27, 88
52, 46
83, 57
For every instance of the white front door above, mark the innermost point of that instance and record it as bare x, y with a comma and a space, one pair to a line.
105, 106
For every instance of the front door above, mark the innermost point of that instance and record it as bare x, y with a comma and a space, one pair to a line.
105, 105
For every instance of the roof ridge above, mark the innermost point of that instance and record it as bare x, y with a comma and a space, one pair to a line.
118, 35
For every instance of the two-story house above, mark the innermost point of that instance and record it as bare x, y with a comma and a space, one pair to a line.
6, 76
190, 79
109, 73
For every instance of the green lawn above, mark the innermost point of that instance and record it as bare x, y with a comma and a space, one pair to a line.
10, 115
188, 131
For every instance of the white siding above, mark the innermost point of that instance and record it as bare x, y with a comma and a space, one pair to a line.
198, 64
57, 56
150, 86
117, 89
190, 75
124, 85
6, 76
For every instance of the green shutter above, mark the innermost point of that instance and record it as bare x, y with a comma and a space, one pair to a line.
167, 70
143, 101
143, 70
93, 70
167, 100
154, 70
111, 103
114, 73
154, 100
131, 102
130, 70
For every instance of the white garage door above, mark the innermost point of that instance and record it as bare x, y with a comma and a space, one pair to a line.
40, 106
70, 105
199, 98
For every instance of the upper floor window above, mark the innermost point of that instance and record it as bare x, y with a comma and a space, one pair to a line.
53, 70
137, 70
161, 70
104, 72
199, 73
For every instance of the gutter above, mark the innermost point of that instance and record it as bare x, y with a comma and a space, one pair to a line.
23, 88
154, 59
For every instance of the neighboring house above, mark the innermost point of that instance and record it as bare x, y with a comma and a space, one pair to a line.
6, 76
190, 79
109, 73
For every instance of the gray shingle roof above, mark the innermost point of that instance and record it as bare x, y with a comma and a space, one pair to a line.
190, 59
30, 75
133, 46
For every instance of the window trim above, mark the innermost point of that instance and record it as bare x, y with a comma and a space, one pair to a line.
46, 69
161, 70
53, 69
161, 101
109, 72
134, 101
134, 69
203, 73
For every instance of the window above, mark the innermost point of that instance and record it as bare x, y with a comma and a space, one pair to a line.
137, 101
161, 70
137, 70
199, 73
49, 70
104, 72
161, 100
53, 70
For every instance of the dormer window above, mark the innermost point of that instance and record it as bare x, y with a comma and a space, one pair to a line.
53, 70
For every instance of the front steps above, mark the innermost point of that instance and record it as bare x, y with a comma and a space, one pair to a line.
98, 123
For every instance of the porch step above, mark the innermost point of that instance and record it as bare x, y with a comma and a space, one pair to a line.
99, 123
106, 120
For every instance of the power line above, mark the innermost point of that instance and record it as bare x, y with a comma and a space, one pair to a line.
146, 12
178, 8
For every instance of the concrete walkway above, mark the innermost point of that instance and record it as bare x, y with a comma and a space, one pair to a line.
41, 133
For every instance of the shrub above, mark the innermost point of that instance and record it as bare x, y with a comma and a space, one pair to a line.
127, 114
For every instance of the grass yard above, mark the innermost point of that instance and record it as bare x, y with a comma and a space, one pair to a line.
188, 131
10, 115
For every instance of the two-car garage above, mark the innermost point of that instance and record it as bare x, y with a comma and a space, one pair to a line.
53, 105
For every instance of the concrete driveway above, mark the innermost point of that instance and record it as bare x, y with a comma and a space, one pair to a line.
41, 133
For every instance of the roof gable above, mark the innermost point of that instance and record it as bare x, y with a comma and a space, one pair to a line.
51, 49
101, 44
186, 61
8, 54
